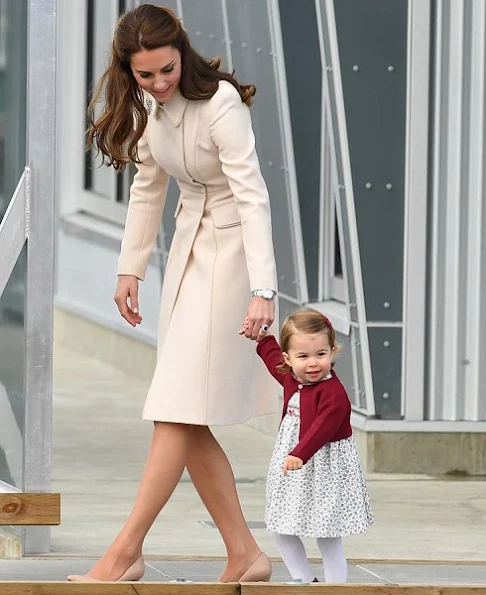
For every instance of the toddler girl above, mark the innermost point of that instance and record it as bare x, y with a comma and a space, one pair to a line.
315, 485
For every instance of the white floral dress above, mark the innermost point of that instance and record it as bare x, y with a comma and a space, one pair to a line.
327, 497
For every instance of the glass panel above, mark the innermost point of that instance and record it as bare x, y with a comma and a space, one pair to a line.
101, 18
338, 266
12, 363
124, 182
13, 88
250, 31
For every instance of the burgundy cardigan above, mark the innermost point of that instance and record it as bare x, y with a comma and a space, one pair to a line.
325, 409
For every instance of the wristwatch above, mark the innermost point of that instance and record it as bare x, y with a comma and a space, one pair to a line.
266, 294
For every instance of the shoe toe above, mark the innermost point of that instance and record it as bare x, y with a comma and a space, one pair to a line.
81, 578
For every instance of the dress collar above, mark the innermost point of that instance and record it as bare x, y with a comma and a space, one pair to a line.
173, 109
326, 377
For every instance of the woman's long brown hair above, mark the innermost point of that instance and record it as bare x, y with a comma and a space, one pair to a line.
117, 130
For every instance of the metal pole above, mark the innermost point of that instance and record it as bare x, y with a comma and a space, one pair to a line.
40, 215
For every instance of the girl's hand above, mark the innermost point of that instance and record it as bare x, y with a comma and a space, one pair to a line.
259, 312
292, 464
126, 298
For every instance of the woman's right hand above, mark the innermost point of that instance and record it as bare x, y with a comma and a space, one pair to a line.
126, 298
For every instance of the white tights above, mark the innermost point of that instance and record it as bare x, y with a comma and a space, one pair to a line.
333, 559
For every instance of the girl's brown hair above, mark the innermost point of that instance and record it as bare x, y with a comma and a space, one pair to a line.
147, 27
307, 321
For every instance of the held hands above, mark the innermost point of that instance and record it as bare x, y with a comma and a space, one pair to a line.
126, 298
260, 312
292, 464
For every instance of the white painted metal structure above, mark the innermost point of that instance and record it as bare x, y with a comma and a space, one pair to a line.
336, 164
457, 316
30, 218
415, 223
288, 150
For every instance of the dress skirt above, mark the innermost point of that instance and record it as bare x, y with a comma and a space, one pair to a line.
326, 498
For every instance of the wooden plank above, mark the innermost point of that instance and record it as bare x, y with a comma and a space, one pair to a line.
66, 588
358, 589
30, 509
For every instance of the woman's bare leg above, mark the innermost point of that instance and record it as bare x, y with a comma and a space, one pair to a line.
164, 466
213, 478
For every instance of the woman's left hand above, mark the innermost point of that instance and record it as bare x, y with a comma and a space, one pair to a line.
260, 312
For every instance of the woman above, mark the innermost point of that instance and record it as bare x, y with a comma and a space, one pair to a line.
174, 114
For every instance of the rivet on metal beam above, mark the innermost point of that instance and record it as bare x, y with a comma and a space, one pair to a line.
385, 395
386, 304
388, 186
368, 185
355, 68
391, 68
386, 343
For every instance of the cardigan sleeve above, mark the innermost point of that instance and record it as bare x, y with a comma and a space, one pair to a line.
232, 133
147, 198
333, 408
269, 350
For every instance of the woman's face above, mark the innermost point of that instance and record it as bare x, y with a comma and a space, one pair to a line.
158, 71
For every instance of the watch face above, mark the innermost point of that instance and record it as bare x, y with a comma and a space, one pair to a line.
267, 294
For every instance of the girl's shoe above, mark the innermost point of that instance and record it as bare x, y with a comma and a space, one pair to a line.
259, 571
134, 573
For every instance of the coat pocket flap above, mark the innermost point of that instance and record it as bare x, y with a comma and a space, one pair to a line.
225, 216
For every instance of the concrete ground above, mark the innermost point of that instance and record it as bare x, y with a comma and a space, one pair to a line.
56, 569
100, 443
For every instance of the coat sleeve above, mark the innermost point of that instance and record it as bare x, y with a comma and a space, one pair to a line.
147, 198
333, 408
269, 350
232, 133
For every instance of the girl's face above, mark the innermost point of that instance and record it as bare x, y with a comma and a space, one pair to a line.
310, 356
158, 71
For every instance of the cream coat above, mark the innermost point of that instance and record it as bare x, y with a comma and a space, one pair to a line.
222, 248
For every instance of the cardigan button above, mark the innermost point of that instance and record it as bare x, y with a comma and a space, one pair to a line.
300, 386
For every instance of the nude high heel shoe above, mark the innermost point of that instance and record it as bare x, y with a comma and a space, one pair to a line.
259, 571
134, 573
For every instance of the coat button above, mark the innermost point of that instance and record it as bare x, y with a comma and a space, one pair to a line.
300, 386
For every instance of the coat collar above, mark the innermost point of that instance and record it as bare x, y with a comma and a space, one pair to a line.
173, 109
